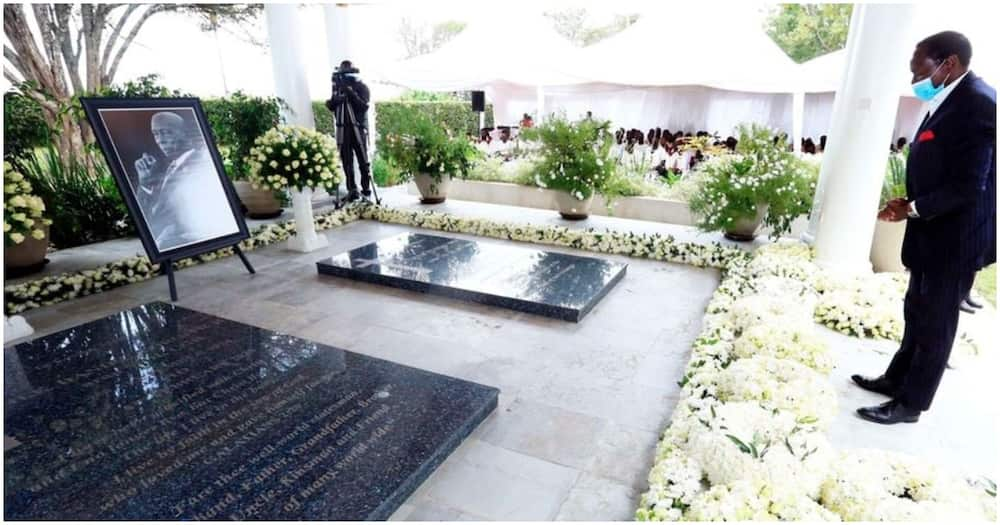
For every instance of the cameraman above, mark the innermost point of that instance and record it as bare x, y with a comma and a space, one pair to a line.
352, 134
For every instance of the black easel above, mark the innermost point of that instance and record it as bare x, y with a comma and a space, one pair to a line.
168, 269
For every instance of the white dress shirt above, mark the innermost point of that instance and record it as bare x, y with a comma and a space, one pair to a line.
934, 103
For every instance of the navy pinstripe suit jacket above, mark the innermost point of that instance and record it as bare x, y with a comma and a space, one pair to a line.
951, 177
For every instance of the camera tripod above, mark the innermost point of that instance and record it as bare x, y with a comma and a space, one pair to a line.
344, 116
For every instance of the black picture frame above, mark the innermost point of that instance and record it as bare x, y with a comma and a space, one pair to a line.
97, 108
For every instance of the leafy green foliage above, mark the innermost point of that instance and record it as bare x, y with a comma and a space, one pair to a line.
24, 127
83, 208
420, 39
573, 24
419, 145
575, 157
762, 172
456, 117
494, 169
894, 184
806, 31
384, 173
416, 95
237, 120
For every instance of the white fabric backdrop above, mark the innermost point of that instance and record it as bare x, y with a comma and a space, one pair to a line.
688, 108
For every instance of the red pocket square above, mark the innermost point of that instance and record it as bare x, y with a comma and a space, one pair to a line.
926, 135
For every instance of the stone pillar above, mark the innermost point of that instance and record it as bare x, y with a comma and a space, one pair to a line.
290, 82
338, 34
540, 104
798, 116
861, 128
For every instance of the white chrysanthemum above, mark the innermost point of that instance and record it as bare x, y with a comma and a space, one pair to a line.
757, 309
785, 342
781, 384
876, 485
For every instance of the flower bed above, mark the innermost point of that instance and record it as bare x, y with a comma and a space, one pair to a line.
746, 439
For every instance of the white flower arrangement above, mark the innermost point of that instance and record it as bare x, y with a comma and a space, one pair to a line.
877, 485
785, 342
863, 306
294, 157
23, 212
781, 384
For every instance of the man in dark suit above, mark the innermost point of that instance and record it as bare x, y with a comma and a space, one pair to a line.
950, 209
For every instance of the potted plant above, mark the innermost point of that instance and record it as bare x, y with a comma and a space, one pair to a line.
761, 183
887, 243
302, 161
259, 202
25, 229
574, 159
429, 154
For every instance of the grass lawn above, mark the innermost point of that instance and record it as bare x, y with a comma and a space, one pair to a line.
986, 284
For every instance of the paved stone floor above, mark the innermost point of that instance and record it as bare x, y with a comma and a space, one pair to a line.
581, 404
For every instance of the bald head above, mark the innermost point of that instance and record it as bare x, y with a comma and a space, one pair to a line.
169, 133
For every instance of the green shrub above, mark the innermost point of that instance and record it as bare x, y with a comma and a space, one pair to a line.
421, 146
84, 208
575, 157
384, 173
730, 187
236, 121
24, 126
323, 117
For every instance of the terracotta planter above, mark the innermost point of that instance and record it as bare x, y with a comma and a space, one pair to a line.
26, 258
745, 228
261, 204
887, 246
571, 208
432, 191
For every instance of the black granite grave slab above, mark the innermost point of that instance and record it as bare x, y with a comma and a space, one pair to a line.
165, 413
551, 284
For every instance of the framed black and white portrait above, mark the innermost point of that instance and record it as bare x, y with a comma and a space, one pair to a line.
165, 162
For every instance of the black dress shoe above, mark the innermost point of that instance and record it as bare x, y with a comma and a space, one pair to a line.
889, 413
879, 385
352, 196
966, 308
972, 302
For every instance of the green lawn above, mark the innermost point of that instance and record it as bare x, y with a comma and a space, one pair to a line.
986, 284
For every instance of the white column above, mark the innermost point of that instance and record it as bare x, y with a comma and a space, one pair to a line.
798, 116
540, 104
290, 84
338, 34
857, 148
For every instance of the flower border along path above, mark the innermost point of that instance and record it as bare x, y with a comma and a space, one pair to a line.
746, 440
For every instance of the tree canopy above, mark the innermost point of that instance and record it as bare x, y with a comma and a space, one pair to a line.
806, 31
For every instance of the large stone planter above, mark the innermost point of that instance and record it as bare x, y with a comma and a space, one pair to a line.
261, 204
26, 258
432, 191
887, 246
745, 228
572, 208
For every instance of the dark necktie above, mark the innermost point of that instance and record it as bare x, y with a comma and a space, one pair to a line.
924, 122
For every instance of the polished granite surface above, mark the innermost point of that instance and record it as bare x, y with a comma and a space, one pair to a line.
551, 284
160, 412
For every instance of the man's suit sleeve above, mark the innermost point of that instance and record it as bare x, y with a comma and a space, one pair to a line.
971, 160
